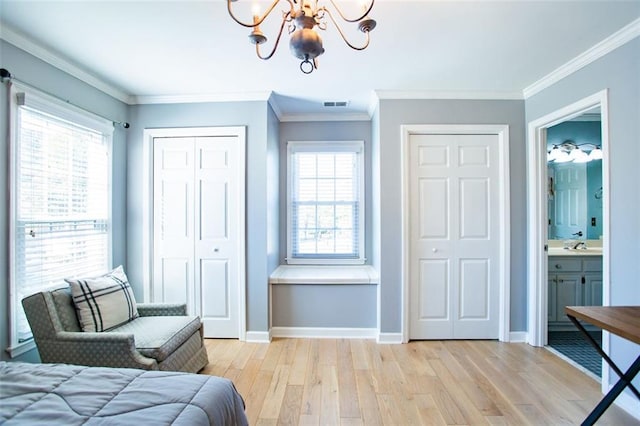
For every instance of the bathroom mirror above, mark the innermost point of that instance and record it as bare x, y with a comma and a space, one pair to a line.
574, 172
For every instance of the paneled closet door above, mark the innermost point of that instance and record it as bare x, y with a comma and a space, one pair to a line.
454, 244
173, 222
196, 224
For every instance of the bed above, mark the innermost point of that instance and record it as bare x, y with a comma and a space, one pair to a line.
32, 394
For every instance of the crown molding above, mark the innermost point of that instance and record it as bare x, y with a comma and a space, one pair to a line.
201, 98
273, 102
446, 94
21, 42
609, 44
374, 102
619, 38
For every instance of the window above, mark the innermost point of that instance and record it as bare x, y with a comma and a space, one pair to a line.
325, 209
60, 200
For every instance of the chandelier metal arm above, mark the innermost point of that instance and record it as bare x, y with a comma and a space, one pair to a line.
328, 12
352, 20
263, 17
285, 19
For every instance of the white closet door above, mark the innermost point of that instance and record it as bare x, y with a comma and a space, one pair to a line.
454, 244
216, 234
173, 222
197, 226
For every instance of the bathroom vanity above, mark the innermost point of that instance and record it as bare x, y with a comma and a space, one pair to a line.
575, 279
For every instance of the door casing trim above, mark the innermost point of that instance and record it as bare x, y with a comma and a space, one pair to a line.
538, 234
504, 267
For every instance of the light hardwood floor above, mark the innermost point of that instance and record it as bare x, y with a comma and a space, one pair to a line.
355, 382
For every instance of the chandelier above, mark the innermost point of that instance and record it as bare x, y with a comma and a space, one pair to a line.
569, 151
302, 18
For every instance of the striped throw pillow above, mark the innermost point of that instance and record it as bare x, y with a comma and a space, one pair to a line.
103, 302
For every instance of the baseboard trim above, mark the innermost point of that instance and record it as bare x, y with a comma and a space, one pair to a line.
628, 403
258, 337
344, 333
390, 338
324, 332
518, 336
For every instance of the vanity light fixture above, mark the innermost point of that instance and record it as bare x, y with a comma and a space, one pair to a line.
578, 156
595, 154
569, 151
558, 155
303, 17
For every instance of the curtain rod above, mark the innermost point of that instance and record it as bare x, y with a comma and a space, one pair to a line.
6, 75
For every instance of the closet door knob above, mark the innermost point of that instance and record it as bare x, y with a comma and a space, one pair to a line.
216, 249
435, 250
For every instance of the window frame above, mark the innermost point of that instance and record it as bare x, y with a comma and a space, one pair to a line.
353, 146
24, 95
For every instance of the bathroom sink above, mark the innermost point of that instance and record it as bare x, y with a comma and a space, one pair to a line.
589, 251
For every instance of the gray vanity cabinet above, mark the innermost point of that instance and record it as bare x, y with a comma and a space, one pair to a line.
573, 281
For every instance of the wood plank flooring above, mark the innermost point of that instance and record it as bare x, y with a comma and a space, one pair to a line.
358, 382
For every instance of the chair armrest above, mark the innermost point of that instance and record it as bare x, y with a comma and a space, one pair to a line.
95, 349
162, 309
122, 340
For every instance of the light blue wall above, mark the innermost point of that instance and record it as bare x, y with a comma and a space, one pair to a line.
580, 132
331, 306
273, 193
350, 306
594, 204
619, 72
260, 192
394, 113
49, 79
376, 214
583, 132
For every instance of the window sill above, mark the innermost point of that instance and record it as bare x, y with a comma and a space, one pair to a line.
312, 274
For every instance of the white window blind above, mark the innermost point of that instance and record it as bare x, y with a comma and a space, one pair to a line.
325, 202
61, 203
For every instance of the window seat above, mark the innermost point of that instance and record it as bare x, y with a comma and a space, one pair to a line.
324, 274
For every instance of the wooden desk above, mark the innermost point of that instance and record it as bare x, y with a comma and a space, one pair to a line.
623, 321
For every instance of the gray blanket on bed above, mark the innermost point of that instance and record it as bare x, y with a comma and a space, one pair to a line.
56, 394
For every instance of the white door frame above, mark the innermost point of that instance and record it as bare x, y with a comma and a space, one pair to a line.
147, 207
538, 213
504, 267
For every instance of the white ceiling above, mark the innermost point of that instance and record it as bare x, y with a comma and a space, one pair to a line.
146, 50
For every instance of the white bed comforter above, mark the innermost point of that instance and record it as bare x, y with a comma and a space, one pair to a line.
57, 394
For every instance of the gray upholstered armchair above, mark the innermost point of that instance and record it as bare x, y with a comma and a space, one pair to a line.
163, 337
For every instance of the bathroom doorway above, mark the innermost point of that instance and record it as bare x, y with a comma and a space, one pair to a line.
575, 216
546, 240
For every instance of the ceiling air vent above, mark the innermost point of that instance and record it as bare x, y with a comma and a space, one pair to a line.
332, 104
